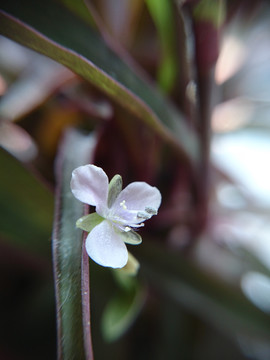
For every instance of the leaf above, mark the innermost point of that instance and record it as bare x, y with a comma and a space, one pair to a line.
71, 264
218, 303
79, 7
26, 207
121, 312
122, 309
162, 13
50, 29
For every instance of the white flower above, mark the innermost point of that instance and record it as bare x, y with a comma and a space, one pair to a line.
118, 212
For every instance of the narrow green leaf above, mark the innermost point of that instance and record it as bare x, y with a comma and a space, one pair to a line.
79, 8
162, 14
71, 264
52, 30
26, 207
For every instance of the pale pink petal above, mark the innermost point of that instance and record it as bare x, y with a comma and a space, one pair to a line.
106, 247
89, 184
135, 199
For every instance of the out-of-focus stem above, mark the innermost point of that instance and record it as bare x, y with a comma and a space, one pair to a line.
205, 87
206, 17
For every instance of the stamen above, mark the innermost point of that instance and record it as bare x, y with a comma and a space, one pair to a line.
143, 215
127, 229
123, 204
151, 210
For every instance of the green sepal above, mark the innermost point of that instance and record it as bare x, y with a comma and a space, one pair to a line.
131, 237
115, 187
88, 222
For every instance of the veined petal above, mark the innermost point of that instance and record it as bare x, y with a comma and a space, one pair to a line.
89, 184
106, 247
138, 198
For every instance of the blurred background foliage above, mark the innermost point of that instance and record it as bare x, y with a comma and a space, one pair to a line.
175, 93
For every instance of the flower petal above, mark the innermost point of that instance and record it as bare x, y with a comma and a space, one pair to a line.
137, 198
89, 184
106, 247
